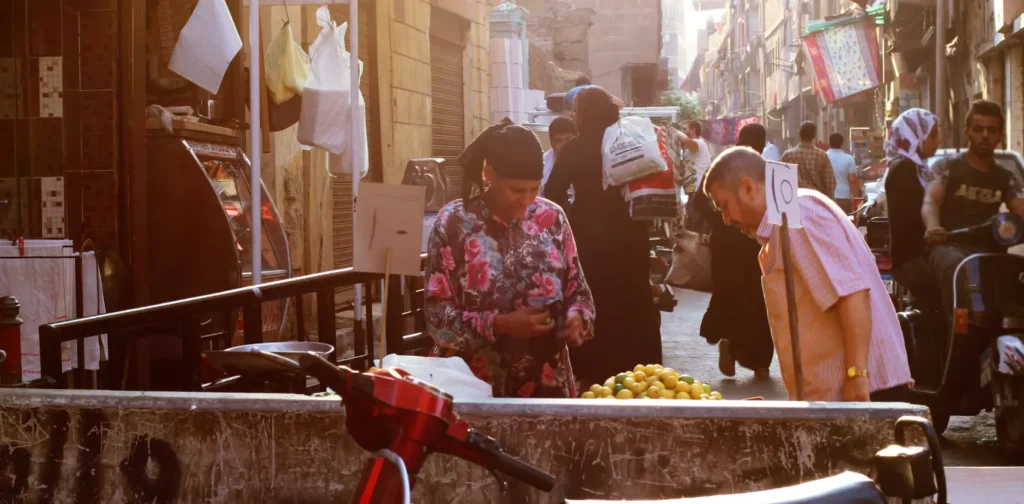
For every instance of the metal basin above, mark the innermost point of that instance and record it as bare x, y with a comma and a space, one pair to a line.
242, 359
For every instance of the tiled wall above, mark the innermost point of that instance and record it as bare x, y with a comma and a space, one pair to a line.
58, 127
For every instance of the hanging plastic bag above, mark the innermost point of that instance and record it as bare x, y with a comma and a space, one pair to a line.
326, 118
287, 65
691, 261
630, 151
654, 196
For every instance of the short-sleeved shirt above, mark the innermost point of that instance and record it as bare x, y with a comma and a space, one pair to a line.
814, 170
842, 166
830, 261
973, 196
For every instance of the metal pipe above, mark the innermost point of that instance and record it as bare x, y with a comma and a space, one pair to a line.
353, 134
940, 68
255, 139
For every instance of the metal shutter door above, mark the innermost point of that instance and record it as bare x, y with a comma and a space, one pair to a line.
447, 111
341, 216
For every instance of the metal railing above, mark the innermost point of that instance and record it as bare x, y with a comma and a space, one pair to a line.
184, 319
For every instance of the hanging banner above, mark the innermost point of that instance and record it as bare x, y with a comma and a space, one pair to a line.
725, 130
845, 59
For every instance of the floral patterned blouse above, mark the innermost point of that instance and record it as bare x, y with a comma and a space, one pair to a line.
480, 266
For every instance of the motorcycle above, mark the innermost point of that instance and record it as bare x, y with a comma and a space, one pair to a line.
402, 420
975, 362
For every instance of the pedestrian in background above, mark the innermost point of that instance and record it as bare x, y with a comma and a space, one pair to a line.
815, 169
696, 154
845, 169
736, 319
560, 131
614, 249
851, 342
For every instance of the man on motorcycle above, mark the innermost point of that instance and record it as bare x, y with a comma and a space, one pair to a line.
968, 190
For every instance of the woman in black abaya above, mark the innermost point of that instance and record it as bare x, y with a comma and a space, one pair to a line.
736, 320
613, 249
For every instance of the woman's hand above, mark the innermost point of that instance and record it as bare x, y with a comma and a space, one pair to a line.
525, 323
574, 327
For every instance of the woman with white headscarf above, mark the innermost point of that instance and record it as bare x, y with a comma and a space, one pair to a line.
913, 139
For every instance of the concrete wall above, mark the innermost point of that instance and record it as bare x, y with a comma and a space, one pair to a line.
405, 79
109, 447
593, 37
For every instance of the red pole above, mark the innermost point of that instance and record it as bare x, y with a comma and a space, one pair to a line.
10, 340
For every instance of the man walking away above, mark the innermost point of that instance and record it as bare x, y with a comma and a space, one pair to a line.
852, 346
815, 169
845, 169
560, 131
968, 189
771, 151
696, 155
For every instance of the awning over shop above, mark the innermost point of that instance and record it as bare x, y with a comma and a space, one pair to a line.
692, 82
845, 55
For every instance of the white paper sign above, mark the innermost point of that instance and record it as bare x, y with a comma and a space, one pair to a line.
206, 45
781, 183
389, 216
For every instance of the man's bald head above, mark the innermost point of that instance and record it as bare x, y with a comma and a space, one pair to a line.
732, 166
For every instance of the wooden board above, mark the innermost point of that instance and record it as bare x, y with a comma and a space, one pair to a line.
179, 124
991, 485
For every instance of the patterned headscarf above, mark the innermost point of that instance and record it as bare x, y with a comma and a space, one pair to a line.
906, 135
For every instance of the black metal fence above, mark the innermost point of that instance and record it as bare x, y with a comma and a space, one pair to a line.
184, 319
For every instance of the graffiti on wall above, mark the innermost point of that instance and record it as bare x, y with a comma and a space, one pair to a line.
150, 472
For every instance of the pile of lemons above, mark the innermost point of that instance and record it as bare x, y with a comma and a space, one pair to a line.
652, 381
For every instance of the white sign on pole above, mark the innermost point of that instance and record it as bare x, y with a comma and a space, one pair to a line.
389, 217
781, 183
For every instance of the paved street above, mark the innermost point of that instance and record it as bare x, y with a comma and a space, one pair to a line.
969, 441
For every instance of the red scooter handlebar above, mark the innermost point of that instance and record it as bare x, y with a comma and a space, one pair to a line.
385, 406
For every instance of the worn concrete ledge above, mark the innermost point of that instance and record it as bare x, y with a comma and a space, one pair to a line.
88, 446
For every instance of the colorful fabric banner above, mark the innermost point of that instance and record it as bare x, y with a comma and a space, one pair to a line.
725, 130
845, 59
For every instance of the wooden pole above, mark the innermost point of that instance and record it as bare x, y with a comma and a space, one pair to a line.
794, 328
384, 308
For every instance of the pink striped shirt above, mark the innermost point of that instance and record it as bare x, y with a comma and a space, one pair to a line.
830, 261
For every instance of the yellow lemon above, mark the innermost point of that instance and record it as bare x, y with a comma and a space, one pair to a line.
606, 392
716, 395
595, 388
589, 395
640, 376
624, 394
683, 387
670, 381
694, 394
668, 394
643, 397
649, 370
638, 368
619, 377
638, 388
653, 393
670, 371
682, 395
660, 385
651, 380
697, 383
628, 383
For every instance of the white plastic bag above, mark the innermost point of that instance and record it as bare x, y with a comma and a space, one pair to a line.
450, 374
325, 120
630, 150
287, 66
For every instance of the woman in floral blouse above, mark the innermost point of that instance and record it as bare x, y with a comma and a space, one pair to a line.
503, 273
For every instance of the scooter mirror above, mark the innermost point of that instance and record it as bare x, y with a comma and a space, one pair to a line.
1007, 229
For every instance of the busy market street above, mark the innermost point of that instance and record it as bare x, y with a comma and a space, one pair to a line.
511, 251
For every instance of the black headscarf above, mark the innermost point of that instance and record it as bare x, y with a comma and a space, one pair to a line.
512, 150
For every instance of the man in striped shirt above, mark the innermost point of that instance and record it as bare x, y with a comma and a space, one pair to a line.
851, 343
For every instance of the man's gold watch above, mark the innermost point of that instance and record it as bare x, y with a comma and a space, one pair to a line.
852, 372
